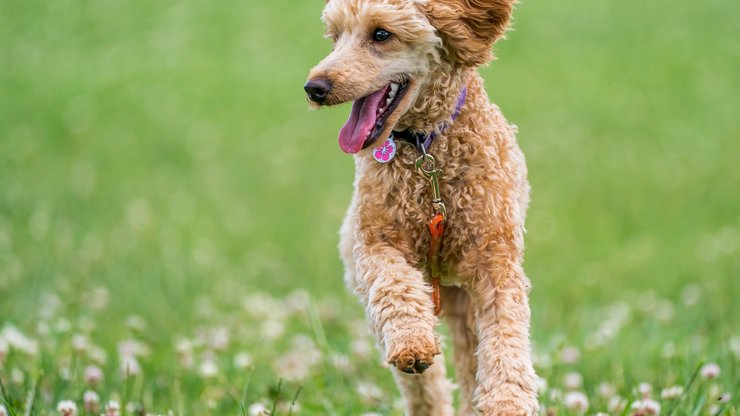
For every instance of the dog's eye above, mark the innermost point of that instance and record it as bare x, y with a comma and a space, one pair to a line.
381, 35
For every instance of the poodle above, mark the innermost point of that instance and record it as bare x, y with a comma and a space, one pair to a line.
428, 143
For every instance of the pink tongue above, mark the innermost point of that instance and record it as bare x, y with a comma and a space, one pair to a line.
361, 122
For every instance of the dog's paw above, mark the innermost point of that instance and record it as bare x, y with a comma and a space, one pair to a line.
412, 351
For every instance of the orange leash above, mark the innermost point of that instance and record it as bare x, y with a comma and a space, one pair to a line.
436, 230
428, 167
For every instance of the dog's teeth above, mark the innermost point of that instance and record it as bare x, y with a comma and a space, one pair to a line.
392, 92
388, 101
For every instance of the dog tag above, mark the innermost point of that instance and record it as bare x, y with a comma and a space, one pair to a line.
386, 151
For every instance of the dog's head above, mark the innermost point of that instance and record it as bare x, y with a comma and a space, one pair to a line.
385, 52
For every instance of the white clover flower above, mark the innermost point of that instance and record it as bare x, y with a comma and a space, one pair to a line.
242, 361
258, 409
49, 305
369, 392
208, 368
93, 375
17, 376
297, 301
3, 410
361, 348
555, 395
330, 309
63, 325
616, 405
18, 341
134, 408
341, 362
283, 408
136, 322
67, 408
651, 407
606, 390
263, 306
219, 339
86, 324
645, 407
98, 298
303, 342
734, 345
65, 373
573, 380
272, 329
184, 348
80, 343
359, 329
130, 366
645, 389
541, 385
296, 365
725, 397
710, 371
670, 393
112, 408
97, 354
570, 355
132, 348
542, 360
664, 310
91, 401
669, 350
576, 401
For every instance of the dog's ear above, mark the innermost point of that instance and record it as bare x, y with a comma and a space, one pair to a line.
469, 27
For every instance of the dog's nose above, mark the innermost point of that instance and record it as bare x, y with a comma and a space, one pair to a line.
317, 89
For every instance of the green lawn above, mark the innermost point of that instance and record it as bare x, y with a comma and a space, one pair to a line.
169, 205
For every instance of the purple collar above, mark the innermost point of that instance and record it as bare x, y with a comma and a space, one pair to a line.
422, 139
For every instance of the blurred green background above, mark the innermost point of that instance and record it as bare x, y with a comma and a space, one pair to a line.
164, 151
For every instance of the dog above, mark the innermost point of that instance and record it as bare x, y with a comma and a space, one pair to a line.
436, 221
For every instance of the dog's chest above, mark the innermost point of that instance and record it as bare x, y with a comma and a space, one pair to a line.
395, 207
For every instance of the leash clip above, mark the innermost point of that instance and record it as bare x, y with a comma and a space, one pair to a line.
427, 166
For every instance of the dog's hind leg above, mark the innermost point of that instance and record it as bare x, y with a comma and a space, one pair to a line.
458, 311
506, 379
427, 394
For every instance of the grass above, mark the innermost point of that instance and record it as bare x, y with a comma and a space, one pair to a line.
162, 182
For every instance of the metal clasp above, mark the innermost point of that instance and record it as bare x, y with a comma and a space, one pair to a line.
427, 166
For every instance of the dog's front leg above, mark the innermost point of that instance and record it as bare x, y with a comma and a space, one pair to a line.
401, 313
506, 378
399, 307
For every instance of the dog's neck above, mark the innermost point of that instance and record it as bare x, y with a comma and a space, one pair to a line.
437, 99
422, 140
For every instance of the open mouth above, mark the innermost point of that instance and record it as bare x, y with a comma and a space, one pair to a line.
369, 116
